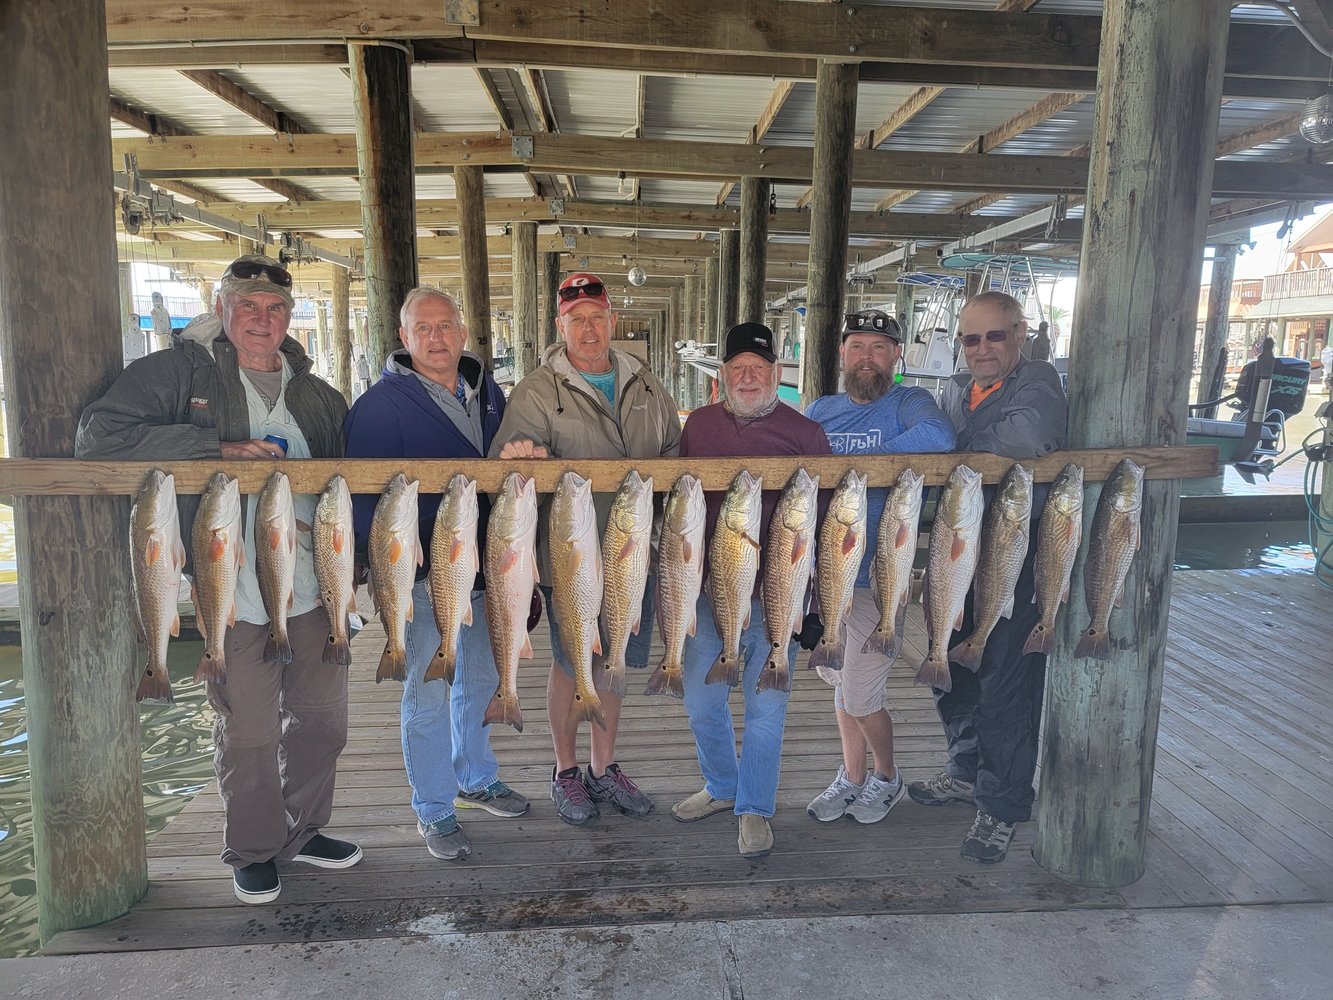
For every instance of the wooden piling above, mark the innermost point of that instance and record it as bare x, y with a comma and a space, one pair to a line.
342, 332
754, 247
470, 184
525, 298
728, 284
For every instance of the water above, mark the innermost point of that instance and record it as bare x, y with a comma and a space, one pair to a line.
177, 762
1245, 545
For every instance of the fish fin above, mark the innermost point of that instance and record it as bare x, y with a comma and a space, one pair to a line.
231, 615
881, 642
456, 549
525, 650
155, 684
467, 613
443, 664
217, 547
509, 560
291, 598
506, 710
968, 652
724, 672
274, 538
612, 678
757, 546
421, 553
957, 548
628, 549
636, 624
1040, 640
199, 623
828, 655
800, 544
958, 622
152, 552
668, 680
1119, 600
1096, 644
212, 666
575, 561
409, 610
302, 526
176, 624
775, 676
587, 710
686, 550
694, 623
277, 650
849, 542
1008, 610
597, 644
337, 652
395, 550
902, 537
178, 553
935, 673
339, 540
393, 665
1064, 595
746, 624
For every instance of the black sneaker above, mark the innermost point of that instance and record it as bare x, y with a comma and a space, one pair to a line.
941, 790
616, 789
570, 796
257, 883
329, 853
988, 840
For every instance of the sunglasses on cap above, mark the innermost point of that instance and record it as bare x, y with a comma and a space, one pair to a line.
993, 336
244, 270
876, 321
593, 289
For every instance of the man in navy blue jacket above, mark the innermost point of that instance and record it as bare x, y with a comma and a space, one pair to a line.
436, 400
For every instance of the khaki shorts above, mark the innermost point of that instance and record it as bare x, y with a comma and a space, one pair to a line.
865, 676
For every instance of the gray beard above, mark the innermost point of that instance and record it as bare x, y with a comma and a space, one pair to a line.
866, 388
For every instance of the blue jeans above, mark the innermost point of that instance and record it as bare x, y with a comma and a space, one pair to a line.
445, 746
752, 778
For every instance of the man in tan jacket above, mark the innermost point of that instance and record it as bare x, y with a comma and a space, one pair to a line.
588, 401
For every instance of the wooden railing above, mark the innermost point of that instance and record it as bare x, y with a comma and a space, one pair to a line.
1294, 284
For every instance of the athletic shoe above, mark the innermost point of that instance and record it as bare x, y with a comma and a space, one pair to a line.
445, 839
497, 798
832, 802
756, 836
699, 806
570, 796
617, 790
877, 798
940, 790
329, 853
257, 883
988, 840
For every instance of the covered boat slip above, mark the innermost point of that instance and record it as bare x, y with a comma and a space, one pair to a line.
1240, 809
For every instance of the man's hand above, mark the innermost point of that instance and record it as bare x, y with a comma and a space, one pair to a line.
523, 448
252, 449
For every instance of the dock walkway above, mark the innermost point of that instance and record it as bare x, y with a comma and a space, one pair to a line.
1242, 810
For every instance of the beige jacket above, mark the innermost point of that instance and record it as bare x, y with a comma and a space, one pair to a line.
555, 408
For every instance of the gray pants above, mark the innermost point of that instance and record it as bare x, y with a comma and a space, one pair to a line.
278, 734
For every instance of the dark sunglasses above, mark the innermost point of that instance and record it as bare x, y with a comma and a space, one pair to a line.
994, 336
593, 289
247, 269
875, 320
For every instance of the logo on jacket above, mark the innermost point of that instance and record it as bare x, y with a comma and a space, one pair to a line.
198, 403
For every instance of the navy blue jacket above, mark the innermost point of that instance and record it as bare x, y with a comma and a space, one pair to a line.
396, 418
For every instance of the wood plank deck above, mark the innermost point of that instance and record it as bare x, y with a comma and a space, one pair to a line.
1241, 810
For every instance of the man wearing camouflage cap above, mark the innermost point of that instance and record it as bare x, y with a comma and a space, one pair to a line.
235, 386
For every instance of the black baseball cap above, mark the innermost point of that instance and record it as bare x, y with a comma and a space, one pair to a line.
872, 321
752, 338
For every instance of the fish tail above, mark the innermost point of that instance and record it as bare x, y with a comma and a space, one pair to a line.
667, 679
278, 649
588, 710
393, 665
611, 678
828, 655
444, 664
155, 683
504, 708
725, 670
338, 650
775, 676
212, 666
1040, 640
1096, 643
934, 672
968, 652
883, 641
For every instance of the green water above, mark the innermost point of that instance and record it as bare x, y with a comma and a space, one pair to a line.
177, 762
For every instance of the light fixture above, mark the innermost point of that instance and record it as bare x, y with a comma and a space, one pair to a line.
1317, 119
637, 276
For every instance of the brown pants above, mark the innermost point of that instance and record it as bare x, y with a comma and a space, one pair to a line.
278, 734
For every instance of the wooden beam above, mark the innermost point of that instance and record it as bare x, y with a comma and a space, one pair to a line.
753, 248
67, 477
525, 299
149, 124
1316, 21
760, 128
503, 116
728, 285
244, 101
342, 332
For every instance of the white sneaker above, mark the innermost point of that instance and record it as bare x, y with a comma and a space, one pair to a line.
877, 798
832, 802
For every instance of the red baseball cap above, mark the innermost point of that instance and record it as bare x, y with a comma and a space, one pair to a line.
582, 285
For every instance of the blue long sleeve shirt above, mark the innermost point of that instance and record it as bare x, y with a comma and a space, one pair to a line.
904, 419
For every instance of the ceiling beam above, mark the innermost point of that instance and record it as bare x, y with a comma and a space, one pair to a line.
244, 101
261, 156
760, 128
503, 116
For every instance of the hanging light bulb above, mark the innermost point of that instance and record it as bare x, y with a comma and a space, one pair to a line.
637, 276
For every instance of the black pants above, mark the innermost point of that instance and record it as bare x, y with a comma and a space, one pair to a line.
992, 718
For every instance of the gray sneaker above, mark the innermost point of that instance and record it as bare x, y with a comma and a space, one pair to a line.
445, 839
877, 798
617, 790
988, 841
940, 790
832, 802
570, 796
497, 798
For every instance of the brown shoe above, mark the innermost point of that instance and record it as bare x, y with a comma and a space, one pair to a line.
756, 838
699, 806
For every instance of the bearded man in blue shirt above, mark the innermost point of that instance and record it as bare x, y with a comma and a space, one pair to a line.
877, 415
